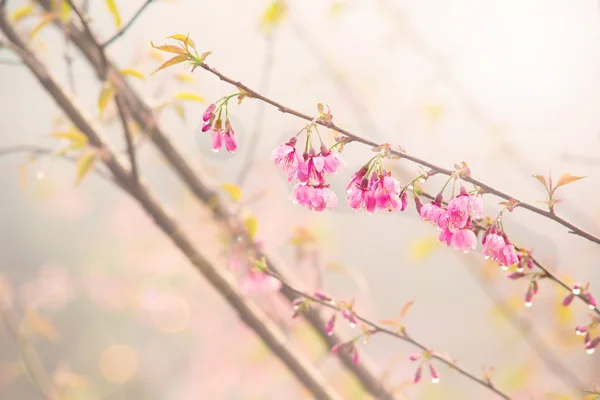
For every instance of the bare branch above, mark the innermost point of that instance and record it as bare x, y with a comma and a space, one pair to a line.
127, 25
121, 108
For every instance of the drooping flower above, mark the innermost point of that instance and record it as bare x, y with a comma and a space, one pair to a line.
333, 163
316, 198
432, 212
387, 192
208, 114
462, 208
286, 156
361, 196
311, 169
492, 245
357, 178
445, 237
464, 239
231, 143
217, 140
508, 255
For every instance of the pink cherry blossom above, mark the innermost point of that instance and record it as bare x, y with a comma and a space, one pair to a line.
209, 113
462, 208
217, 140
314, 198
432, 212
356, 178
464, 239
387, 192
445, 237
230, 139
333, 162
507, 255
492, 245
287, 157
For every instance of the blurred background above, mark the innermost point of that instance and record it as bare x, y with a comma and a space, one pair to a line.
114, 311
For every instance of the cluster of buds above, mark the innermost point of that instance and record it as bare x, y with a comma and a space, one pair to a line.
454, 221
425, 357
309, 170
372, 187
583, 292
584, 330
220, 133
497, 247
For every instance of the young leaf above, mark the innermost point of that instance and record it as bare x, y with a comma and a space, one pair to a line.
184, 39
179, 110
74, 136
112, 7
566, 179
46, 19
189, 96
273, 15
84, 165
65, 11
169, 48
184, 77
105, 95
251, 224
233, 191
406, 307
22, 12
132, 72
175, 60
541, 179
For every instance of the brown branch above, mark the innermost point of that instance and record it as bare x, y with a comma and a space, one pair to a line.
402, 335
127, 25
195, 181
128, 136
223, 283
444, 171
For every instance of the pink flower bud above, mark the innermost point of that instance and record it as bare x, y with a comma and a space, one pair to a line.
206, 126
354, 354
209, 112
516, 275
580, 330
337, 347
418, 374
404, 201
349, 315
330, 325
590, 347
590, 300
528, 297
435, 376
567, 300
414, 356
322, 295
418, 204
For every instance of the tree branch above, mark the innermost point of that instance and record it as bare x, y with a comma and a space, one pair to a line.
195, 181
127, 25
249, 312
121, 108
444, 171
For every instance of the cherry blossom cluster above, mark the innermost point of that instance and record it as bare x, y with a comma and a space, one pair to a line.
309, 170
455, 221
221, 132
425, 358
372, 188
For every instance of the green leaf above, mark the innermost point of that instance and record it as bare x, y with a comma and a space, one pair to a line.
46, 19
105, 95
189, 96
175, 60
84, 165
112, 7
233, 191
566, 179
22, 12
132, 72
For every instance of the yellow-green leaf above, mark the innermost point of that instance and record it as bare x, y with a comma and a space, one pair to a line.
567, 178
541, 179
189, 96
74, 136
22, 12
185, 39
132, 72
175, 60
251, 224
233, 191
105, 95
65, 11
46, 19
84, 165
169, 48
112, 7
184, 77
273, 15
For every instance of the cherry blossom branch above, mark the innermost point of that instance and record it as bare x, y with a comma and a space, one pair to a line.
128, 25
401, 334
365, 371
402, 154
271, 335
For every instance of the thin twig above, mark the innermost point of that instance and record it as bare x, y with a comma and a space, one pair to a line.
443, 171
127, 25
128, 136
403, 335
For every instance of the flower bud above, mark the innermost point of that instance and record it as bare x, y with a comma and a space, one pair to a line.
418, 374
322, 296
414, 356
435, 376
568, 299
590, 347
515, 275
209, 112
330, 325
